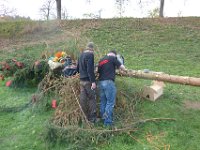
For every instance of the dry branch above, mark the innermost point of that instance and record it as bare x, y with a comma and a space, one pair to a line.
150, 120
80, 107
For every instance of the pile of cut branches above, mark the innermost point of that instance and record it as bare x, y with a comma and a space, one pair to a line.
67, 91
26, 72
69, 119
69, 124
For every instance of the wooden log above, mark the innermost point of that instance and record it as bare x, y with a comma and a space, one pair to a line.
160, 76
154, 91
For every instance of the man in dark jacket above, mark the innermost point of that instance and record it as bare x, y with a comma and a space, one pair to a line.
87, 82
106, 69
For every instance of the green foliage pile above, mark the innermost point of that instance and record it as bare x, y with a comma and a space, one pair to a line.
31, 75
27, 76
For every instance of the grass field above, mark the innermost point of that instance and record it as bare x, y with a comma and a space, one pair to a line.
168, 45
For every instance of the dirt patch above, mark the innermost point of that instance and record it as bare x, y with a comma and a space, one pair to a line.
192, 105
4, 43
10, 44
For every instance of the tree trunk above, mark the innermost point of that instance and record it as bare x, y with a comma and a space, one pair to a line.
48, 13
161, 8
58, 4
161, 77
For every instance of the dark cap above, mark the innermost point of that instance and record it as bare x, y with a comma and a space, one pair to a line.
90, 45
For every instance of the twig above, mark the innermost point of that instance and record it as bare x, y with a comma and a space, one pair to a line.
129, 98
96, 130
140, 141
134, 138
125, 95
50, 88
150, 120
157, 119
107, 130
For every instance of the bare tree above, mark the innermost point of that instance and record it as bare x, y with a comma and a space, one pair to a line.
58, 6
179, 14
64, 13
47, 8
99, 13
120, 6
161, 8
154, 13
5, 10
162, 2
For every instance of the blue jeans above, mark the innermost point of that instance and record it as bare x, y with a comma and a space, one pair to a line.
107, 100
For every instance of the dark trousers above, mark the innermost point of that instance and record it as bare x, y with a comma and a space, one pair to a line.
88, 100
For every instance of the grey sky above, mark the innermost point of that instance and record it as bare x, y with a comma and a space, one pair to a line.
76, 8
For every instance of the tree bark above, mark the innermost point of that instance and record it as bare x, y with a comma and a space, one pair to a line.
161, 8
58, 5
161, 77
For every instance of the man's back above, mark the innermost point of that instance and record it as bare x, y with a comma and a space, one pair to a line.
86, 66
106, 68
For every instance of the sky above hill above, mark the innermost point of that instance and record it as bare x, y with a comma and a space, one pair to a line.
108, 9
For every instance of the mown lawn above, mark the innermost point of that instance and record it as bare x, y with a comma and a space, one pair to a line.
165, 45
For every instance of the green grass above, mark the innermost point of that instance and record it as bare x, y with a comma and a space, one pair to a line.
21, 126
168, 45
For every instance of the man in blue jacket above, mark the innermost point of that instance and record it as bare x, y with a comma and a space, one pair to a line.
87, 82
106, 69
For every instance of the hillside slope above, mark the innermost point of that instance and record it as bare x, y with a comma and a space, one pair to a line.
169, 45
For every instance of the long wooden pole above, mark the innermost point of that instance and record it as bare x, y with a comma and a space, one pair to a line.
193, 81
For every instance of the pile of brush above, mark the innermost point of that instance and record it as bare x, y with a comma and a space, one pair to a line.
69, 112
23, 73
69, 122
67, 90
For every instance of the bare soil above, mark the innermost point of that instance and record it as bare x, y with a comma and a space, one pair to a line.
192, 105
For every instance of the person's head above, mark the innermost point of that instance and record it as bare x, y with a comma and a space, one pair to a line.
90, 46
112, 53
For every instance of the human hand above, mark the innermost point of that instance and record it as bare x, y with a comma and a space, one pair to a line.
93, 86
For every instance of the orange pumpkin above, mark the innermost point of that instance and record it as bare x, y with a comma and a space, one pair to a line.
58, 54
